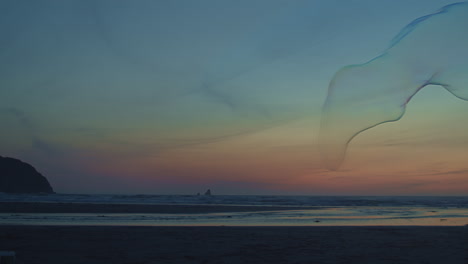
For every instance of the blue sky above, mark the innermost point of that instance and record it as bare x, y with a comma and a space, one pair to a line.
186, 92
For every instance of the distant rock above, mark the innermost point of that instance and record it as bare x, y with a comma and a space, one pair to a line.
208, 192
17, 176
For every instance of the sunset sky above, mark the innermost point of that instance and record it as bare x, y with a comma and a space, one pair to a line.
178, 96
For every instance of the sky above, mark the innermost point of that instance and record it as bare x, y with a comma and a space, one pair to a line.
175, 97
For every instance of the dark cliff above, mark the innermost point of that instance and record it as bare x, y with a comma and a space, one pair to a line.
17, 176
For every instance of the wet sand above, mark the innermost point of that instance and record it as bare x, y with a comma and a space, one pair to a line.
145, 245
27, 207
219, 244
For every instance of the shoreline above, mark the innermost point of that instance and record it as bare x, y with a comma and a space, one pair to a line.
52, 207
145, 245
93, 214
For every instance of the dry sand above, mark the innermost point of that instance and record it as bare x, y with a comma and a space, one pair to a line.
145, 245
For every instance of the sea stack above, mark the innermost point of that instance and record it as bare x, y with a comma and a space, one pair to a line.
17, 176
208, 192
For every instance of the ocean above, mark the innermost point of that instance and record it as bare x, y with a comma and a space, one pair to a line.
318, 210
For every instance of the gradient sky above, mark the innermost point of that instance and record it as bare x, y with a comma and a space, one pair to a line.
178, 96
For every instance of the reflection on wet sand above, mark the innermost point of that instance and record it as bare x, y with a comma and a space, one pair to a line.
333, 216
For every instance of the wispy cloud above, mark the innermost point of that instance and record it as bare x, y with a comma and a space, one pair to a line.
21, 116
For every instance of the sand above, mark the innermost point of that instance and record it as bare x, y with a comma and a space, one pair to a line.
28, 207
145, 245
218, 244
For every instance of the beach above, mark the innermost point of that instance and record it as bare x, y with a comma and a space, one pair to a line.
145, 245
221, 244
31, 207
222, 214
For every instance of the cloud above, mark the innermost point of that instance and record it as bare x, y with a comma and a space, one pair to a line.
429, 51
451, 172
21, 116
